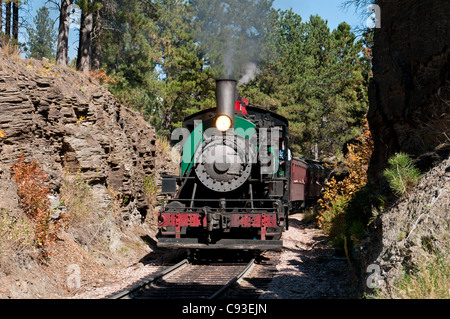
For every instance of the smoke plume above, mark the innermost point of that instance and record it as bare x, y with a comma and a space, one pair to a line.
232, 33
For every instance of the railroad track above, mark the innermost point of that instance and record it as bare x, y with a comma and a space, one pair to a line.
257, 283
187, 280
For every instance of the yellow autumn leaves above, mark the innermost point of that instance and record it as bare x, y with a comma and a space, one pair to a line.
338, 193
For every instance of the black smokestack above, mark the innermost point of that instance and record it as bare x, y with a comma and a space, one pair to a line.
226, 96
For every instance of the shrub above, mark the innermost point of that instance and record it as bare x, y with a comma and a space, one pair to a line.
16, 234
76, 196
101, 75
34, 198
151, 188
342, 208
401, 175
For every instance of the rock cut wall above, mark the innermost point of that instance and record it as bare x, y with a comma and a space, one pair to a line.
72, 125
410, 92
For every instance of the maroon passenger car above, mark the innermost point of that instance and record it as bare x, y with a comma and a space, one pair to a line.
307, 180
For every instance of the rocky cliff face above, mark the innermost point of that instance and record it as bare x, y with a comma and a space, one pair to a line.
413, 228
103, 156
410, 91
409, 112
72, 125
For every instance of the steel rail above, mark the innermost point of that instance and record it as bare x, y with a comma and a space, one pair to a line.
234, 280
126, 293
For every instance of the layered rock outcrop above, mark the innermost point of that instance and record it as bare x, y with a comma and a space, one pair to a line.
72, 125
103, 163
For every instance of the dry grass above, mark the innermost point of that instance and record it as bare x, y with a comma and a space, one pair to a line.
76, 196
151, 189
10, 49
163, 144
429, 280
87, 222
16, 234
100, 229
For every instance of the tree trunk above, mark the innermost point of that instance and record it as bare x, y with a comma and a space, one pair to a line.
8, 20
62, 49
96, 44
15, 24
315, 151
168, 120
1, 18
1, 24
84, 47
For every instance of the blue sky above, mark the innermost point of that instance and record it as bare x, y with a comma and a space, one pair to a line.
330, 10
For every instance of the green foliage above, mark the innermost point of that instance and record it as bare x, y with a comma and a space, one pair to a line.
129, 54
88, 6
317, 79
163, 64
401, 175
187, 85
149, 50
42, 38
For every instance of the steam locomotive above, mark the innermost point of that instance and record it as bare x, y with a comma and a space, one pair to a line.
237, 179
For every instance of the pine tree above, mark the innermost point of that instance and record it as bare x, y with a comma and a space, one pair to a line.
148, 47
187, 86
42, 38
88, 7
1, 22
130, 53
15, 20
8, 19
318, 80
62, 49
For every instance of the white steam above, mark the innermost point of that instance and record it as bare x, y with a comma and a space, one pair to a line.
251, 70
232, 33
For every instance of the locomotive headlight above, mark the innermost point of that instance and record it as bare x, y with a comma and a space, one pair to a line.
223, 123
